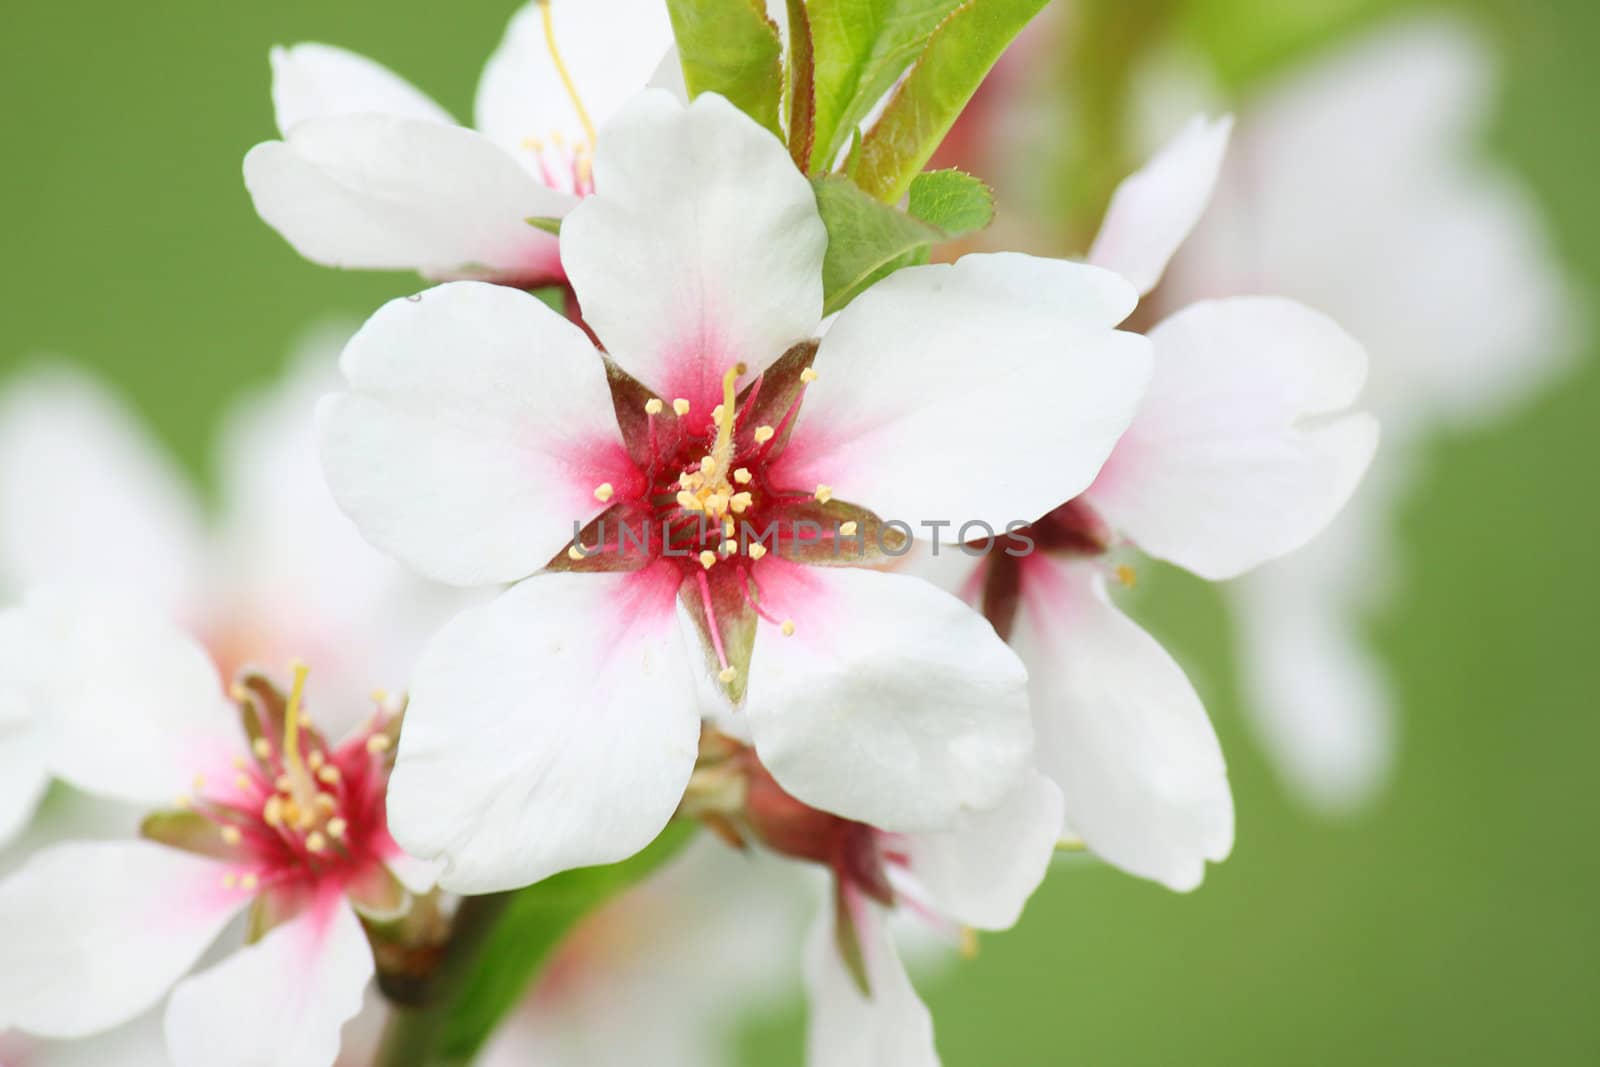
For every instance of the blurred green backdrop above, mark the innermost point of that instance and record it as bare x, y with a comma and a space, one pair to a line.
1451, 923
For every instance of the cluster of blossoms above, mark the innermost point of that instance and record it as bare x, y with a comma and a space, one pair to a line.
694, 498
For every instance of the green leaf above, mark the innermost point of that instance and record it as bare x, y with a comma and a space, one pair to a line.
802, 88
533, 924
861, 47
952, 66
731, 47
952, 200
548, 225
867, 240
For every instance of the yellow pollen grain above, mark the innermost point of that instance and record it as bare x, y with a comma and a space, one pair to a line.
241, 783
239, 763
729, 547
249, 882
604, 492
230, 880
764, 434
315, 760
238, 692
283, 783
680, 407
183, 802
378, 743
707, 559
575, 553
653, 406
824, 493
688, 501
717, 503
708, 464
716, 413
272, 811
231, 835
326, 803
740, 502
262, 748
848, 529
329, 774
1126, 575
757, 550
808, 375
727, 527
317, 842
787, 627
380, 696
742, 476
337, 828
726, 675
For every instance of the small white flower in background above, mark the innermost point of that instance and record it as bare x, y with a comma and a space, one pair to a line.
373, 174
684, 959
1241, 451
89, 499
1358, 184
263, 815
557, 726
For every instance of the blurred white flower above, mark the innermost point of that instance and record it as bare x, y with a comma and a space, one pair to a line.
373, 174
1358, 185
479, 427
270, 818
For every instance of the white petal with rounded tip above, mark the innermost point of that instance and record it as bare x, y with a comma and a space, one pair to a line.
991, 389
1156, 207
553, 728
135, 708
278, 1003
88, 496
701, 248
892, 703
475, 429
1121, 731
982, 872
609, 50
1242, 449
380, 192
97, 932
844, 1028
311, 81
25, 742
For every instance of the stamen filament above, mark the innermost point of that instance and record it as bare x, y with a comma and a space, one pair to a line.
563, 73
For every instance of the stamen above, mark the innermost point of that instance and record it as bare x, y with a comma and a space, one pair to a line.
230, 880
653, 406
764, 434
808, 375
742, 475
757, 550
563, 74
231, 835
707, 559
848, 529
787, 627
378, 743
730, 546
824, 493
262, 748
688, 501
739, 502
337, 828
575, 553
680, 407
604, 492
317, 842
329, 774
727, 675
249, 882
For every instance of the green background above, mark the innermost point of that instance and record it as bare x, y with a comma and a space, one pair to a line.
1453, 922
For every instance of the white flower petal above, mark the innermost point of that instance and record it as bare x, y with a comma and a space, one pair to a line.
136, 1044
553, 728
987, 390
982, 872
381, 192
609, 50
701, 248
845, 1029
1241, 451
1156, 207
1121, 731
892, 703
24, 740
87, 496
135, 708
97, 933
311, 81
278, 1003
477, 425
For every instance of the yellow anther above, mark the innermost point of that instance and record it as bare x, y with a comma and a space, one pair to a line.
808, 375
316, 759
1126, 575
653, 406
726, 675
727, 527
764, 434
707, 559
680, 407
183, 802
716, 413
329, 774
249, 882
240, 763
262, 748
969, 943
848, 529
199, 782
239, 693
757, 550
739, 502
688, 501
533, 144
231, 835
708, 465
337, 828
378, 743
562, 73
326, 804
380, 696
241, 783
717, 503
787, 627
230, 880
317, 841
742, 475
604, 492
272, 811
730, 546
575, 553
283, 783
824, 493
